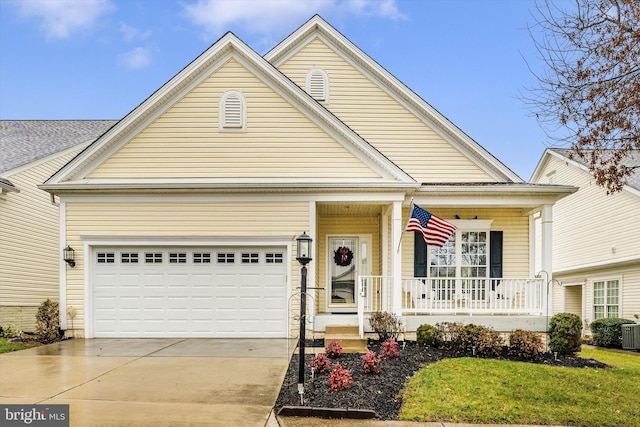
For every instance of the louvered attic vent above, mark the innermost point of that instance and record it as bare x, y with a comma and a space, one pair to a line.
317, 84
232, 111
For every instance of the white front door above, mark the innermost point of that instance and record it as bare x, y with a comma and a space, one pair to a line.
348, 257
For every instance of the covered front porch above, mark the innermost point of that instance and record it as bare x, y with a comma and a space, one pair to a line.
486, 272
432, 300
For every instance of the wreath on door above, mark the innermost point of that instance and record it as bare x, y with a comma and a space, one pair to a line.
343, 256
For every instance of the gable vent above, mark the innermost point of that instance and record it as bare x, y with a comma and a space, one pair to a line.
232, 111
317, 84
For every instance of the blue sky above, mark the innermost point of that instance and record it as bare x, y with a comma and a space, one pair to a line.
98, 59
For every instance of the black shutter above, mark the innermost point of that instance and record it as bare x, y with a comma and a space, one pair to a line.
419, 256
495, 257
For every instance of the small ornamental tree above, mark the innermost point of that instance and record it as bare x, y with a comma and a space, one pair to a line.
371, 363
340, 378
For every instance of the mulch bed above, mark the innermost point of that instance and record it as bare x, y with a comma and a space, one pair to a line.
382, 392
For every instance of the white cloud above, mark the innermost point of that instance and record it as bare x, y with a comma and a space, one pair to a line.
260, 16
139, 57
60, 18
133, 34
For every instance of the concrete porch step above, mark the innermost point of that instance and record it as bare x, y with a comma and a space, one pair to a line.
347, 336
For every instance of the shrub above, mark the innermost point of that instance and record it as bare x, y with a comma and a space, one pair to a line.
7, 332
453, 337
607, 332
333, 349
340, 378
320, 363
429, 335
488, 342
48, 322
390, 349
565, 330
524, 344
386, 325
371, 363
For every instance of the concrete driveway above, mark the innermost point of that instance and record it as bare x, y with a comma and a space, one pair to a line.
155, 382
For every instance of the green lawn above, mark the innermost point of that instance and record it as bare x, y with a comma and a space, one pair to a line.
6, 346
486, 391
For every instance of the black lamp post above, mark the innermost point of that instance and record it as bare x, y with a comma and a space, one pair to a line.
303, 257
68, 255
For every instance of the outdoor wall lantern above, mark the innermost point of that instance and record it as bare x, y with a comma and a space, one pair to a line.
69, 256
303, 256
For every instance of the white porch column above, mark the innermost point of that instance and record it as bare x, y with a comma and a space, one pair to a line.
396, 258
546, 264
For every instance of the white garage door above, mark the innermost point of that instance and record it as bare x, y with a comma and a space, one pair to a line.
189, 292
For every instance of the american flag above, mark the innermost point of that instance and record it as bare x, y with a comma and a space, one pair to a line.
435, 230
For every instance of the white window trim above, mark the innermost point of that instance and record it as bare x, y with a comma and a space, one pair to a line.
593, 297
325, 84
477, 225
224, 126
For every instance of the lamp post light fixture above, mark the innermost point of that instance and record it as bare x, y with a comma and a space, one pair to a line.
69, 256
303, 256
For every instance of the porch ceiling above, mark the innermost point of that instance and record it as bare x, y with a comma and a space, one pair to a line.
349, 209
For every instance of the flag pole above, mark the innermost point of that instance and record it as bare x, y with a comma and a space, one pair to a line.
405, 226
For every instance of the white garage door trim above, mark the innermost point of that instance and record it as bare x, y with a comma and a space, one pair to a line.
94, 244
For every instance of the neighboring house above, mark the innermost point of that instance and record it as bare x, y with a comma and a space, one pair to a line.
184, 215
30, 152
596, 241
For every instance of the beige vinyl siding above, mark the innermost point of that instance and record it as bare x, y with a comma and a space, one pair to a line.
30, 252
344, 226
279, 141
589, 226
573, 299
386, 124
629, 277
515, 242
168, 219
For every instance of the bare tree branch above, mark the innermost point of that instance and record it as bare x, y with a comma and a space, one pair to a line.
588, 95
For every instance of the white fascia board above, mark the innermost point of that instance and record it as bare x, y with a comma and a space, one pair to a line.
395, 88
6, 188
228, 184
352, 198
522, 196
612, 263
542, 164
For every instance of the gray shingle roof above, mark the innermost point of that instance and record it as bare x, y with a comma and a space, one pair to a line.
632, 159
25, 141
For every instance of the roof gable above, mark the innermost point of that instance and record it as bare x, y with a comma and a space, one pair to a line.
632, 182
185, 141
195, 76
317, 28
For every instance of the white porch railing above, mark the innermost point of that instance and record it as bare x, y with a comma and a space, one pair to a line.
459, 295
